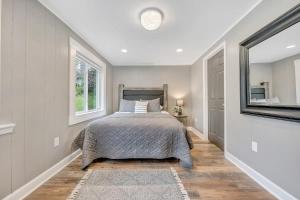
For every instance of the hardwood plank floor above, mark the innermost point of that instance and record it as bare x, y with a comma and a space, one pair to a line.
212, 177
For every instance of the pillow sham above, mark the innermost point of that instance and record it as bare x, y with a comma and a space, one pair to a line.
127, 106
154, 105
141, 106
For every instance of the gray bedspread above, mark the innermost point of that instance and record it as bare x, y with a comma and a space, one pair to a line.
129, 135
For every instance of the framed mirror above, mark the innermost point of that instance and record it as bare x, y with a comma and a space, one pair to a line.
270, 69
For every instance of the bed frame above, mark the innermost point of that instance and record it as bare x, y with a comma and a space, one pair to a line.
141, 93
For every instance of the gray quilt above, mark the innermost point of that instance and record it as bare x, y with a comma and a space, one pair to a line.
129, 135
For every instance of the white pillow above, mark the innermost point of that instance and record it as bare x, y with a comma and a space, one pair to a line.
141, 106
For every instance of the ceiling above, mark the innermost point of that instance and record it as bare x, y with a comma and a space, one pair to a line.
289, 37
112, 25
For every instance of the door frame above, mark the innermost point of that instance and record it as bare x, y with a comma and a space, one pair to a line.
212, 53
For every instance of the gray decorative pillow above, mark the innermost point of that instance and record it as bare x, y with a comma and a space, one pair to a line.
126, 106
154, 105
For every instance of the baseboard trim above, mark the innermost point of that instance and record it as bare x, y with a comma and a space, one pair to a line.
29, 187
271, 187
196, 132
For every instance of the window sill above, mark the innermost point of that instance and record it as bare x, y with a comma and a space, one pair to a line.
6, 128
76, 119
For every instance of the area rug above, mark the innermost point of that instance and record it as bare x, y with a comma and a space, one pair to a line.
130, 184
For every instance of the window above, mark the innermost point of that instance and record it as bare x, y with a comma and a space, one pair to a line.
87, 84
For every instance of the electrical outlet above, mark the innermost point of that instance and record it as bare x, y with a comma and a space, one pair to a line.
196, 120
56, 141
254, 146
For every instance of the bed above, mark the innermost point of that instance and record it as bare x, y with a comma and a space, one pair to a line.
124, 135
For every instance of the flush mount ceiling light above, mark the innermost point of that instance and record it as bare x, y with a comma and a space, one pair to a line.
124, 50
151, 19
179, 50
291, 46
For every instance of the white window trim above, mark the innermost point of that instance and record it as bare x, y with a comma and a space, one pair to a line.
78, 118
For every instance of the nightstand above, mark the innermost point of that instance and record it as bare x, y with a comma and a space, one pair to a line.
182, 118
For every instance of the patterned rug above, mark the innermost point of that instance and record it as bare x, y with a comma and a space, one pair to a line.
130, 184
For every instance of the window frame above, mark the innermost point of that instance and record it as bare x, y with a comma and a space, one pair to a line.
100, 66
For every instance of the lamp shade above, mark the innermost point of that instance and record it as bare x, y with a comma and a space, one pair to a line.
179, 102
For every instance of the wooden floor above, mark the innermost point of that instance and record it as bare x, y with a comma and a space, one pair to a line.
212, 177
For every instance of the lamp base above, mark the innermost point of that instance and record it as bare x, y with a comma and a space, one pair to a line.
180, 111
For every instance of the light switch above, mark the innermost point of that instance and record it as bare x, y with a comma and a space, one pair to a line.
254, 146
56, 141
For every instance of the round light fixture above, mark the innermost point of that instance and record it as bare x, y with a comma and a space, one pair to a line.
291, 46
179, 50
124, 50
151, 19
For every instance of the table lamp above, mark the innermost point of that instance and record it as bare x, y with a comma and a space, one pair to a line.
179, 103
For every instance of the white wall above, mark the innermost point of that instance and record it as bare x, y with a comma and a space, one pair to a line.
278, 141
177, 78
281, 76
284, 83
260, 72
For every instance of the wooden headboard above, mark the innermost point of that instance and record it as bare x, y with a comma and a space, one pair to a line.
136, 93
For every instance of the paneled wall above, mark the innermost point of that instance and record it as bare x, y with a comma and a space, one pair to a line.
278, 141
34, 91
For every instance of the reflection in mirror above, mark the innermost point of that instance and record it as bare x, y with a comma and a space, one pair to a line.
274, 67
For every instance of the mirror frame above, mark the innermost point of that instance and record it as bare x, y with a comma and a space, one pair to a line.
284, 112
